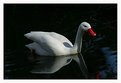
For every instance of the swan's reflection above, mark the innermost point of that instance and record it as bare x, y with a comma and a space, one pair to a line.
52, 64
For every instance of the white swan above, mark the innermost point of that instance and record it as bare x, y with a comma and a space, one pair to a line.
51, 43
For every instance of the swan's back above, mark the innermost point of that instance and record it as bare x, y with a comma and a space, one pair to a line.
40, 34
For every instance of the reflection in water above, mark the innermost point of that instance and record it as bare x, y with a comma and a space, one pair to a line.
51, 64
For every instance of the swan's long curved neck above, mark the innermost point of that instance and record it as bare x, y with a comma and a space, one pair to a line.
78, 41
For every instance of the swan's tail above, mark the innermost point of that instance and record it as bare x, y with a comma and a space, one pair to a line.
28, 35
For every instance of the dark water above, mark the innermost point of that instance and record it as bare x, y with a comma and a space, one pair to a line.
64, 19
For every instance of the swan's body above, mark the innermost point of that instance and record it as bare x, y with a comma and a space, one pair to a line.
51, 43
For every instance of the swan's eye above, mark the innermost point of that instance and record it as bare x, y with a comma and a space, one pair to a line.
84, 25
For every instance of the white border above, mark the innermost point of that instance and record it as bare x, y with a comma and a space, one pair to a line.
57, 1
1, 41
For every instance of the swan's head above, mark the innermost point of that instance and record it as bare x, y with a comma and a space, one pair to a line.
87, 27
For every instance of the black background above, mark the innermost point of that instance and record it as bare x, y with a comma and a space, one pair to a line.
61, 18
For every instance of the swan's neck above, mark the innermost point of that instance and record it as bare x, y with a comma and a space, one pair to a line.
78, 41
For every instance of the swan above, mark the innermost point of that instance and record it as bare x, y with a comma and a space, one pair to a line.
52, 43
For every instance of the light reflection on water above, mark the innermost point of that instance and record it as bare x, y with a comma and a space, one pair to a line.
52, 64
